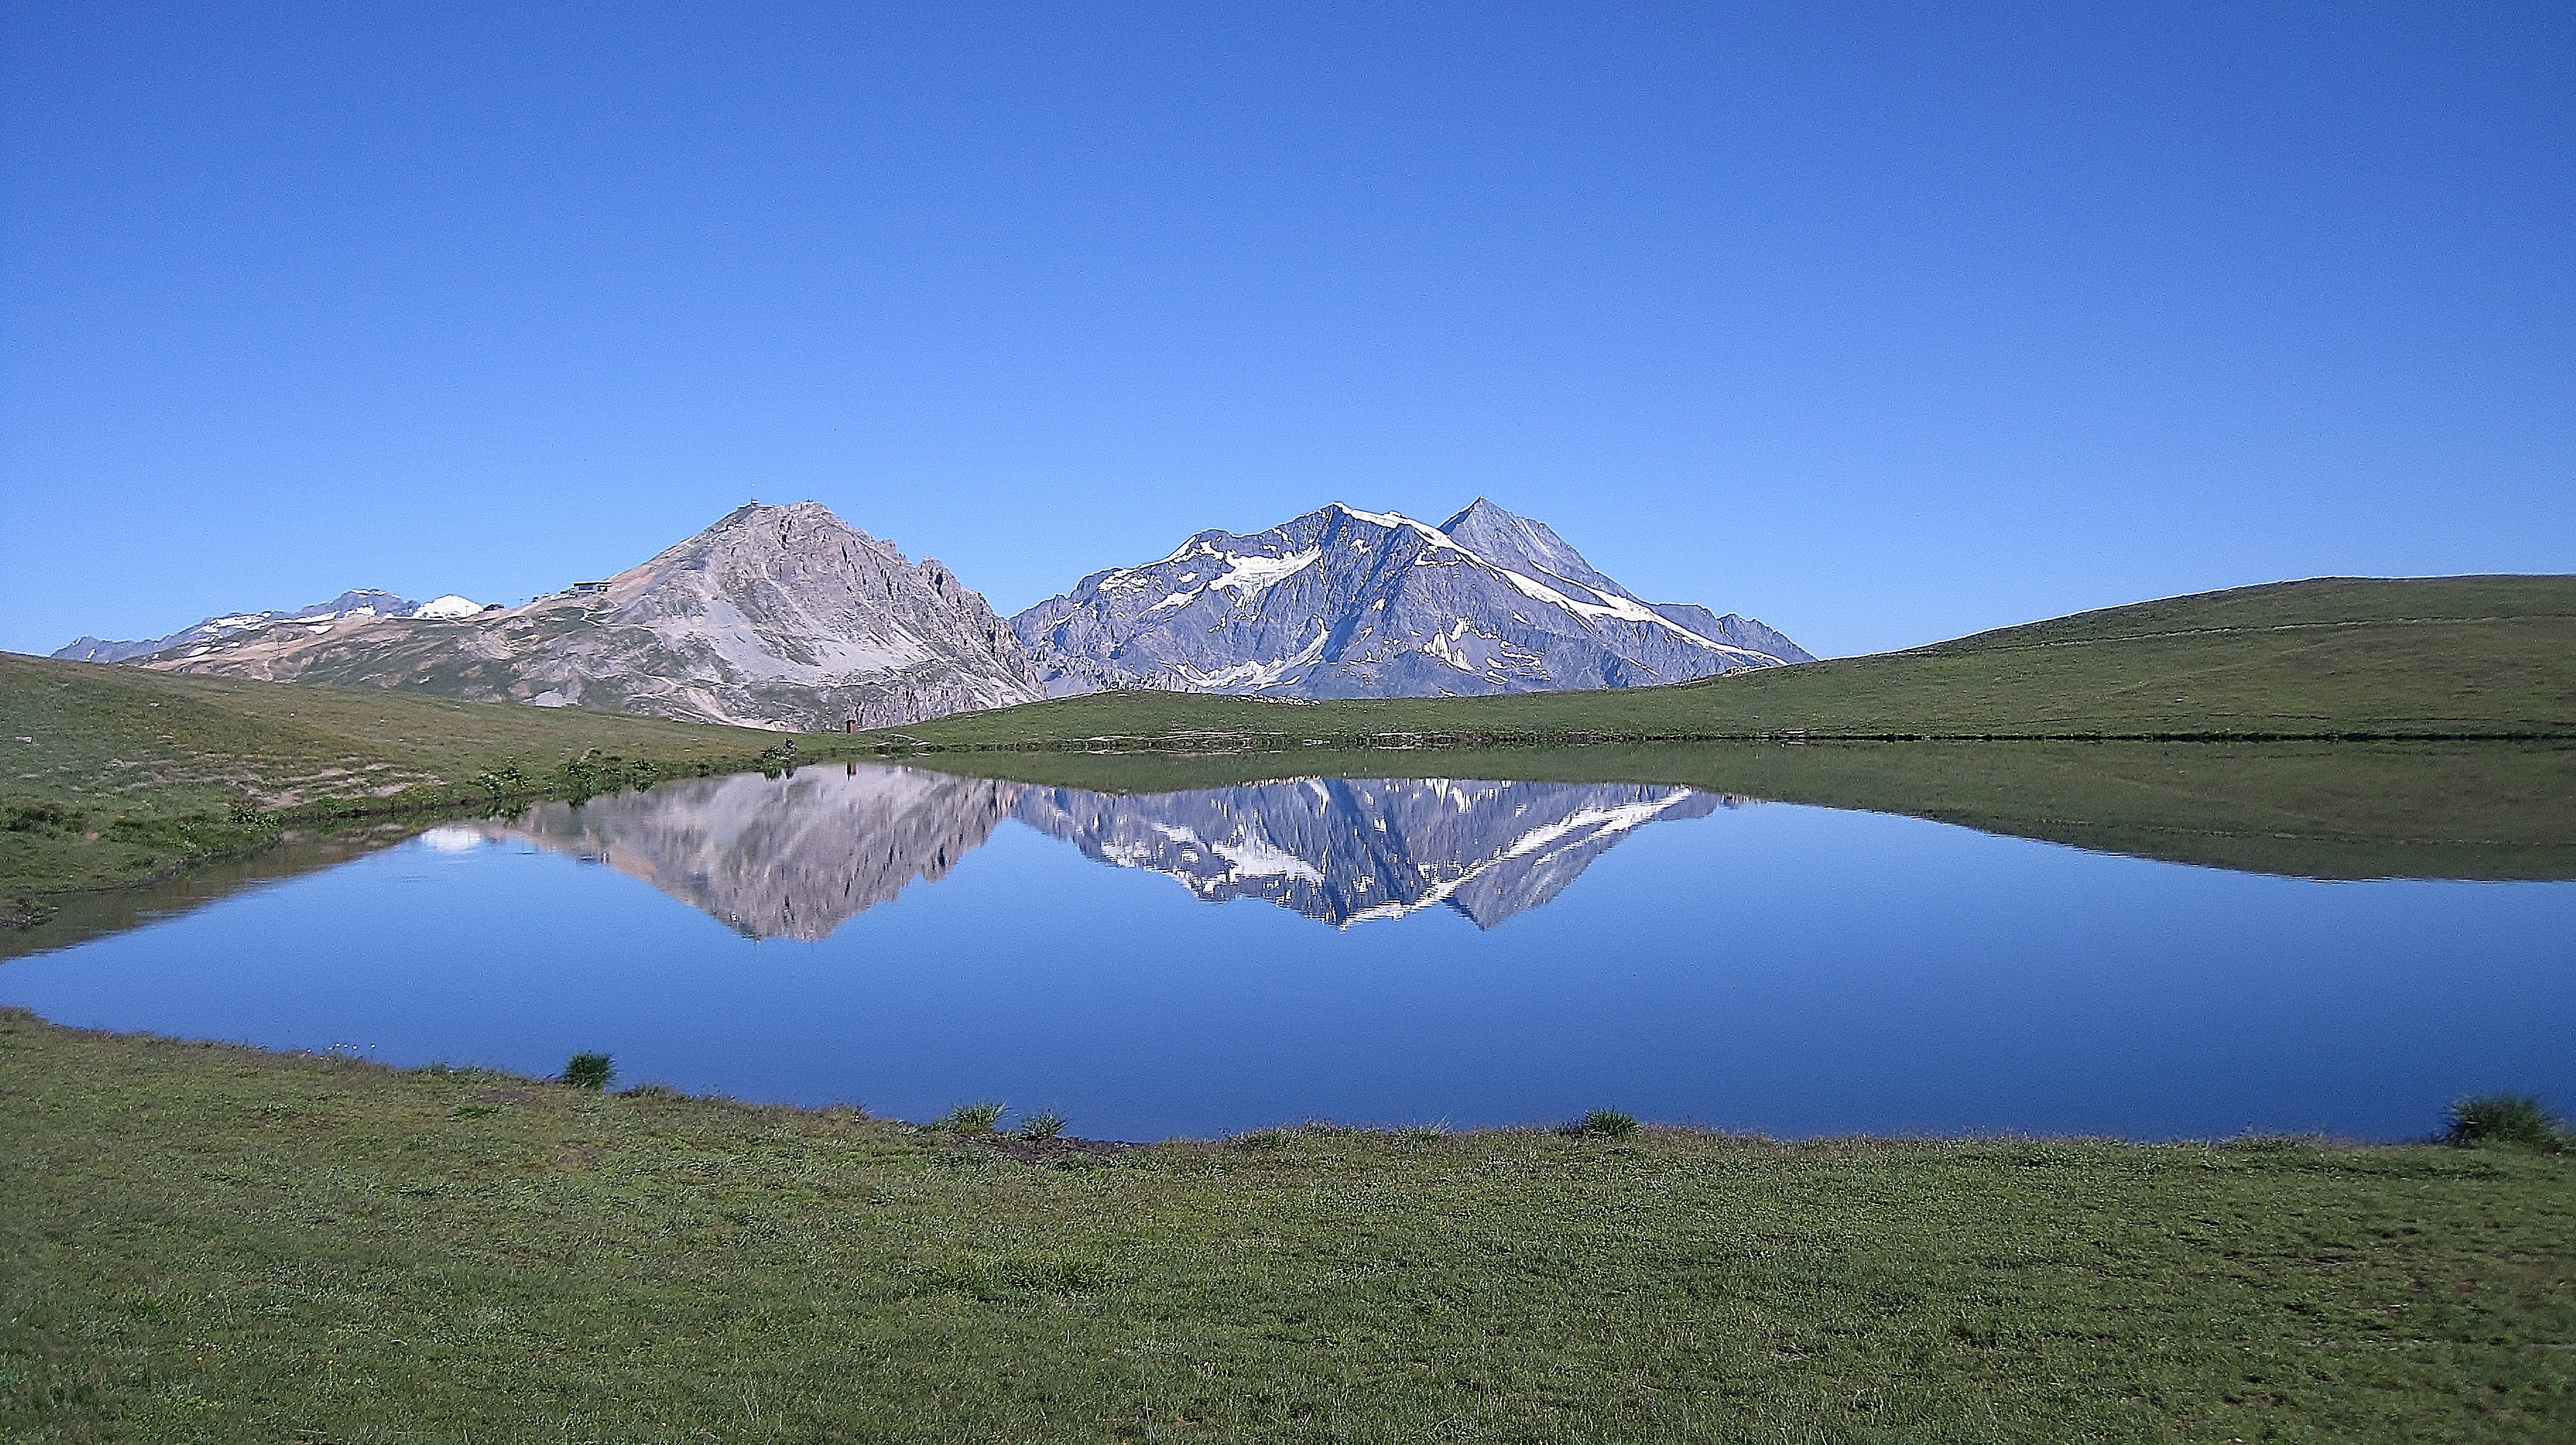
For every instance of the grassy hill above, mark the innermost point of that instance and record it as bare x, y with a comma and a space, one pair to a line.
2455, 657
116, 773
206, 1243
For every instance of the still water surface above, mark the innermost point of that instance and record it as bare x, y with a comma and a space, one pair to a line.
1377, 952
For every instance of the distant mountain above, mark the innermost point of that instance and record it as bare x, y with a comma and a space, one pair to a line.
363, 603
1341, 603
1348, 851
776, 616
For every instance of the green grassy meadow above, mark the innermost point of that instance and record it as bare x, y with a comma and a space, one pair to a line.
203, 1243
2416, 658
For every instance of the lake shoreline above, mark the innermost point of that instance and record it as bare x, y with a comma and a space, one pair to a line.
280, 1243
508, 1087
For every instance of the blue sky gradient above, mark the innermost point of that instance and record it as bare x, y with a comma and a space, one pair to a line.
1880, 323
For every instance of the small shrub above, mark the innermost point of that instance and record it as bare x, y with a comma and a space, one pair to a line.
1262, 1139
2514, 1119
589, 1071
39, 818
970, 1118
1605, 1124
1044, 1125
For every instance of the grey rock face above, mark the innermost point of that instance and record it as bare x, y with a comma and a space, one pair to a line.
1341, 603
793, 857
1348, 851
777, 616
365, 602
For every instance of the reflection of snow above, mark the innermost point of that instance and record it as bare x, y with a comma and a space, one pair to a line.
451, 838
1257, 858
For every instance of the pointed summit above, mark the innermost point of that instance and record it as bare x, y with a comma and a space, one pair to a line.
1346, 603
774, 616
1517, 541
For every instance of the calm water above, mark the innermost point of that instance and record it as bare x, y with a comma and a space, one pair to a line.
1369, 952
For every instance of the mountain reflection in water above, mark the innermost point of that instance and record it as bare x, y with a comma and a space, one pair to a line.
794, 857
800, 856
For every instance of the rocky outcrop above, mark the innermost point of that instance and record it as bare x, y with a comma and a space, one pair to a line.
776, 617
1341, 603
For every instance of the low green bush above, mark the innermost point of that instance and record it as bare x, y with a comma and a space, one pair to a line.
2511, 1119
589, 1071
39, 818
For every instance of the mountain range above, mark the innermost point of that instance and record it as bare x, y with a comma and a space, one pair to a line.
776, 616
788, 617
364, 603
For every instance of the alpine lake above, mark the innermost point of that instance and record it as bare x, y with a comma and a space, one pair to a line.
1208, 958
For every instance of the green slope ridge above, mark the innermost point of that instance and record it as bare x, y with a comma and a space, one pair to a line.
204, 1243
116, 773
2328, 658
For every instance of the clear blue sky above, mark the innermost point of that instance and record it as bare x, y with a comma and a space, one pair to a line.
1880, 323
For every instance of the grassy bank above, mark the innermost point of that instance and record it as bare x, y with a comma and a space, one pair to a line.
2424, 658
202, 1243
2310, 810
116, 774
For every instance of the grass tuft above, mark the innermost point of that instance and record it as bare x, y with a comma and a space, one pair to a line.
2516, 1120
1604, 1124
976, 1118
589, 1071
1045, 1124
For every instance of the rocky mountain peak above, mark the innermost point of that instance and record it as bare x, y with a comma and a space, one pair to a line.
1343, 602
780, 616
